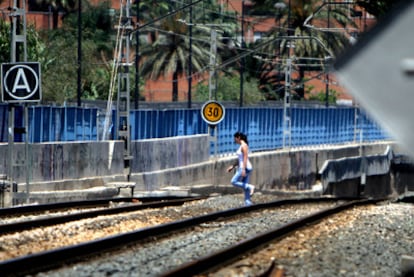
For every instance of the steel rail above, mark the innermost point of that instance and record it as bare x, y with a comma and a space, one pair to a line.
32, 208
20, 210
231, 253
51, 259
53, 220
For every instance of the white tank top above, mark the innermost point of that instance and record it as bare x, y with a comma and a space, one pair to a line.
240, 157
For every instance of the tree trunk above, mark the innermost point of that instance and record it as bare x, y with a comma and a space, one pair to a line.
55, 18
301, 92
175, 87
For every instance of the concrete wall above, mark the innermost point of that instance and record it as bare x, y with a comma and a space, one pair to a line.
359, 175
61, 164
279, 169
159, 154
170, 161
181, 161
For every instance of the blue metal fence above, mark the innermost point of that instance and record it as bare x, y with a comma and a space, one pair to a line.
52, 123
146, 124
264, 126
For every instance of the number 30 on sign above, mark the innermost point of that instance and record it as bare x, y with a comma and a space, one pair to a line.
212, 112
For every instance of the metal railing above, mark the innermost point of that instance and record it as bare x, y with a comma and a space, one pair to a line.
263, 125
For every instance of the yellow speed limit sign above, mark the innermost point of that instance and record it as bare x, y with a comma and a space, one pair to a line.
212, 112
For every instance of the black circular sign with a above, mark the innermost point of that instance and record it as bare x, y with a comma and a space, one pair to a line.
21, 82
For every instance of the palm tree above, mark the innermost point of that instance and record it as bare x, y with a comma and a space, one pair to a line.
168, 53
168, 50
312, 43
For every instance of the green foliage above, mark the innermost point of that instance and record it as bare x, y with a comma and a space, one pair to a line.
59, 78
35, 46
4, 41
60, 70
321, 96
228, 89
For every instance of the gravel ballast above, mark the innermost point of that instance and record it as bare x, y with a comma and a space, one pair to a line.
368, 241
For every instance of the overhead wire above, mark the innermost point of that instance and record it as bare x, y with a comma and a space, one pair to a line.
114, 72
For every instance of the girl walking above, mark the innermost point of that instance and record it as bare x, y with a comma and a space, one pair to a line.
242, 175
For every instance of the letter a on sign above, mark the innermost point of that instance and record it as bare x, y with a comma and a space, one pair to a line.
21, 82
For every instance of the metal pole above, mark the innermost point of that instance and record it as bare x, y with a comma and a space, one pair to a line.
327, 69
286, 103
190, 62
213, 49
287, 123
13, 56
242, 64
18, 31
18, 37
123, 127
79, 52
279, 6
11, 144
137, 60
18, 44
28, 158
289, 29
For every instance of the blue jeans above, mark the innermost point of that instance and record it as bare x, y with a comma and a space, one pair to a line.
243, 182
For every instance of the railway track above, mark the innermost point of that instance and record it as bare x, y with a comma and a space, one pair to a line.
87, 204
222, 258
35, 216
195, 232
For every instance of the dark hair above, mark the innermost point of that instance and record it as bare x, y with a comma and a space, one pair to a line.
241, 136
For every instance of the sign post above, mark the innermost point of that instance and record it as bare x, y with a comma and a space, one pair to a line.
20, 83
213, 113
